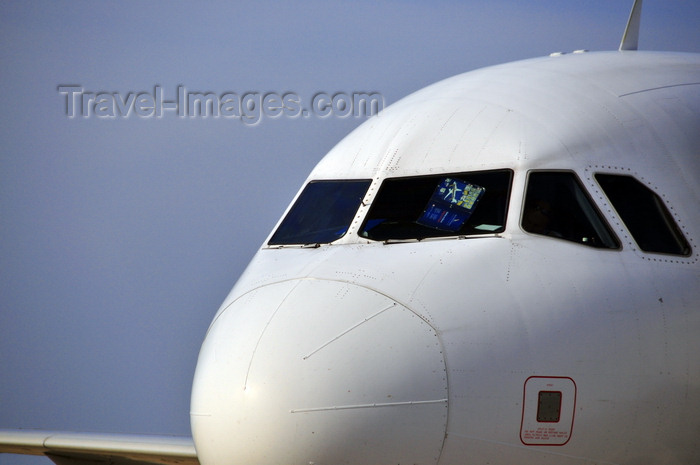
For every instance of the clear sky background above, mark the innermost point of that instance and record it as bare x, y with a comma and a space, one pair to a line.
119, 238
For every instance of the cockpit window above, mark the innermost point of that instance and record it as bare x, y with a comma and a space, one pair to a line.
557, 205
454, 204
644, 214
322, 213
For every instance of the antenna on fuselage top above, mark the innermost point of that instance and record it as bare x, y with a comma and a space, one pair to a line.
630, 39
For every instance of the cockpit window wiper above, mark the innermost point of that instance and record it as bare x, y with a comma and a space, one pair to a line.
451, 204
322, 213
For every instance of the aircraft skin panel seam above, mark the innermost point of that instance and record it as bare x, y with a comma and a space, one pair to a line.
360, 406
652, 89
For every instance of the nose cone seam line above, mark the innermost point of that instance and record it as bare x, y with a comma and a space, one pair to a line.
425, 318
349, 329
336, 328
385, 404
262, 333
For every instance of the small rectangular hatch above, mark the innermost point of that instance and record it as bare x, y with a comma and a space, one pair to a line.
548, 411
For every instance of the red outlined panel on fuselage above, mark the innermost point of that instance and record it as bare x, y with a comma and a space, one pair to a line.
548, 411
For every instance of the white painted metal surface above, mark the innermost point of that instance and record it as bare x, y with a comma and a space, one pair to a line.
310, 343
332, 363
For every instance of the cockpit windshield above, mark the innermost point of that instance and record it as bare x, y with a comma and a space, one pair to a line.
455, 204
322, 213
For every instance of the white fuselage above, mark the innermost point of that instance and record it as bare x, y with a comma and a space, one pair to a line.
500, 348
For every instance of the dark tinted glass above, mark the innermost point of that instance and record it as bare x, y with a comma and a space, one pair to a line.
322, 213
557, 205
644, 214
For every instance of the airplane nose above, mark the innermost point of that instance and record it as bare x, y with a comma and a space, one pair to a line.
319, 372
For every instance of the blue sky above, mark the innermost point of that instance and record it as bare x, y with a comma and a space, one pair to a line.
120, 237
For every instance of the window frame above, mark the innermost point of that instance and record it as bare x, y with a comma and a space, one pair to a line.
590, 198
300, 206
672, 228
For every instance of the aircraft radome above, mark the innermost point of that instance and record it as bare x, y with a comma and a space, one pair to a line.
501, 268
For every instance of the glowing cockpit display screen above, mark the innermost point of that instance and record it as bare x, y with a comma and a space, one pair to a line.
451, 205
